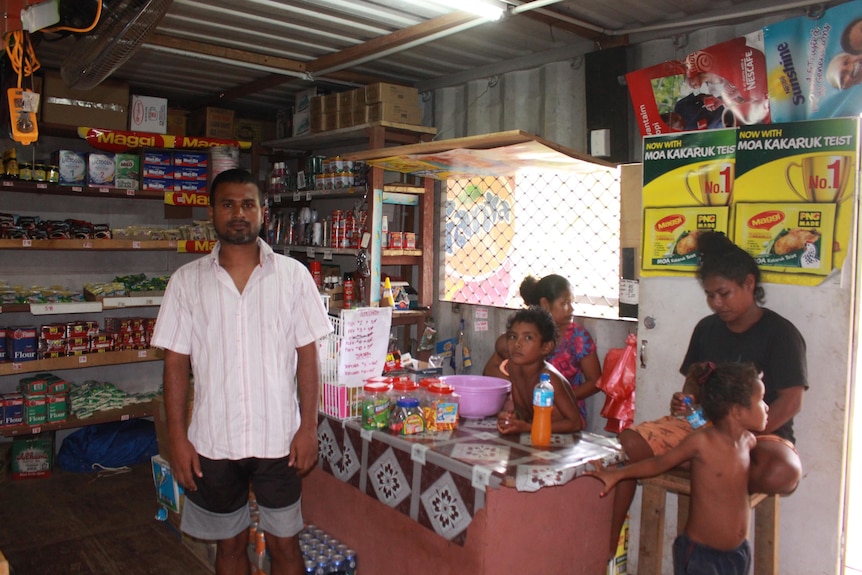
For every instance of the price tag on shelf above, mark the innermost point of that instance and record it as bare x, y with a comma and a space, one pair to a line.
125, 417
276, 198
130, 193
16, 367
82, 359
309, 252
36, 430
7, 183
136, 245
77, 189
308, 196
149, 301
104, 190
327, 254
121, 304
87, 245
296, 196
142, 354
41, 186
26, 243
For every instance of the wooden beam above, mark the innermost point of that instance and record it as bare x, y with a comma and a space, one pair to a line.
602, 40
226, 53
392, 40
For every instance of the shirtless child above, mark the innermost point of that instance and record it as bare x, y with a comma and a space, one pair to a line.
716, 533
530, 337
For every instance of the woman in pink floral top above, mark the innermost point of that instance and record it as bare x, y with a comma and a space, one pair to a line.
575, 355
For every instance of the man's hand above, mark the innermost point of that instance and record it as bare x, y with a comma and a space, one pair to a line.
185, 464
303, 450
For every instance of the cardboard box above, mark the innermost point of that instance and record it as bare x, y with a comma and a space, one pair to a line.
101, 169
302, 123
33, 456
302, 99
211, 123
386, 112
323, 122
148, 114
73, 167
105, 106
391, 94
247, 130
169, 493
347, 99
177, 122
329, 103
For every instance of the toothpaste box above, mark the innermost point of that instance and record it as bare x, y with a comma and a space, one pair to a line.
191, 159
73, 167
158, 158
101, 169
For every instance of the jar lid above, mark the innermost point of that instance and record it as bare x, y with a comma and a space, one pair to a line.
429, 381
377, 387
441, 388
407, 402
378, 378
404, 384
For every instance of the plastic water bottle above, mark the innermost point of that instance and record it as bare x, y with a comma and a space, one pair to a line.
694, 414
543, 405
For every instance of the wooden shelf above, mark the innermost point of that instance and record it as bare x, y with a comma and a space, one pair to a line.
61, 308
90, 245
91, 191
82, 361
133, 411
354, 135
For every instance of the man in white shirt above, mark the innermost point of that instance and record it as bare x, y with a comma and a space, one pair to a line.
245, 321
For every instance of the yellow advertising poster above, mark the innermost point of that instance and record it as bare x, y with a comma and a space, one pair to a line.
803, 174
688, 184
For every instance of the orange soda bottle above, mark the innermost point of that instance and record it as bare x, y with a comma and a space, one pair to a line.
543, 405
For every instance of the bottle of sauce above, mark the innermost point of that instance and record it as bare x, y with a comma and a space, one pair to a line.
349, 294
543, 405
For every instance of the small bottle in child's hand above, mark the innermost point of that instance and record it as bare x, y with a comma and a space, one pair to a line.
694, 414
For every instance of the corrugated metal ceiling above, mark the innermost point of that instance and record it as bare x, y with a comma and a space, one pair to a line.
254, 55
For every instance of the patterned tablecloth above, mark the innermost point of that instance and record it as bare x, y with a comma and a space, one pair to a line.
440, 480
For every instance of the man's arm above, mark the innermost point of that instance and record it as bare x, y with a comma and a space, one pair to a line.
185, 464
303, 447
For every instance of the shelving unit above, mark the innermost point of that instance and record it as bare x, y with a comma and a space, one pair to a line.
418, 201
65, 261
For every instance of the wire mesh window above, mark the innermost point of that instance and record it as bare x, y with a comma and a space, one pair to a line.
499, 230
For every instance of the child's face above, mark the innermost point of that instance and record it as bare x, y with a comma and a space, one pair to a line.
561, 309
525, 344
754, 416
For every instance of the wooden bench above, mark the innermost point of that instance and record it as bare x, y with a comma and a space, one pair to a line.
651, 546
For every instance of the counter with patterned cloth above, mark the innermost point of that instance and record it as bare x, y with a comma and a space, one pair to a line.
469, 497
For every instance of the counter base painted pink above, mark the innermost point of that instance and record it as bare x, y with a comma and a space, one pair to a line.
555, 530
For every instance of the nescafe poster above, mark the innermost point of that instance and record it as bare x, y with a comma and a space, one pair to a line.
722, 86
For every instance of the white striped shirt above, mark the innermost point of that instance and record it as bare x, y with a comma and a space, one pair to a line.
243, 350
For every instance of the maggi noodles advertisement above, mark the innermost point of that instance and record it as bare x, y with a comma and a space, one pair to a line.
779, 191
793, 183
687, 188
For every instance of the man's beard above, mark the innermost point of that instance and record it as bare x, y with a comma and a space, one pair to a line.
238, 237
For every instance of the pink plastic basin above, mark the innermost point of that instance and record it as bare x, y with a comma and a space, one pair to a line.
481, 396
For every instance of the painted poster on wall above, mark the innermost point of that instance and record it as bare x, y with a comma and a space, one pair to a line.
792, 208
688, 186
815, 65
720, 86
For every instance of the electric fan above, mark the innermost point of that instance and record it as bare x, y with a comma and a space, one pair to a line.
122, 27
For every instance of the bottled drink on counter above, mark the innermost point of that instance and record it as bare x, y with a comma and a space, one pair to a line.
543, 405
348, 293
694, 414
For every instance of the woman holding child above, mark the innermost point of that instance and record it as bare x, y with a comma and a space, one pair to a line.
739, 330
574, 354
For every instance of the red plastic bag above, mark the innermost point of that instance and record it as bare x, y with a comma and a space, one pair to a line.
618, 383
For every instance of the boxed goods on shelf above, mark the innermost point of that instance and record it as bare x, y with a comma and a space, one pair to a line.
391, 94
302, 123
211, 122
127, 171
148, 114
249, 130
302, 99
72, 166
33, 456
105, 106
101, 169
177, 122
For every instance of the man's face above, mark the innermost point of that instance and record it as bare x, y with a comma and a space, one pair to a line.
236, 213
849, 70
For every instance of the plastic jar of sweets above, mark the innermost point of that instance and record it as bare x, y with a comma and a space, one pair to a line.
406, 417
375, 404
441, 407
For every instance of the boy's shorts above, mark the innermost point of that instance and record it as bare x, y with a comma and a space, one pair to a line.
692, 558
219, 508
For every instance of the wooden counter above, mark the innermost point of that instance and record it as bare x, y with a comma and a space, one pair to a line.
461, 502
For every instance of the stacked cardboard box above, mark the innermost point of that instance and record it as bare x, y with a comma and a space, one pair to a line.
379, 102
